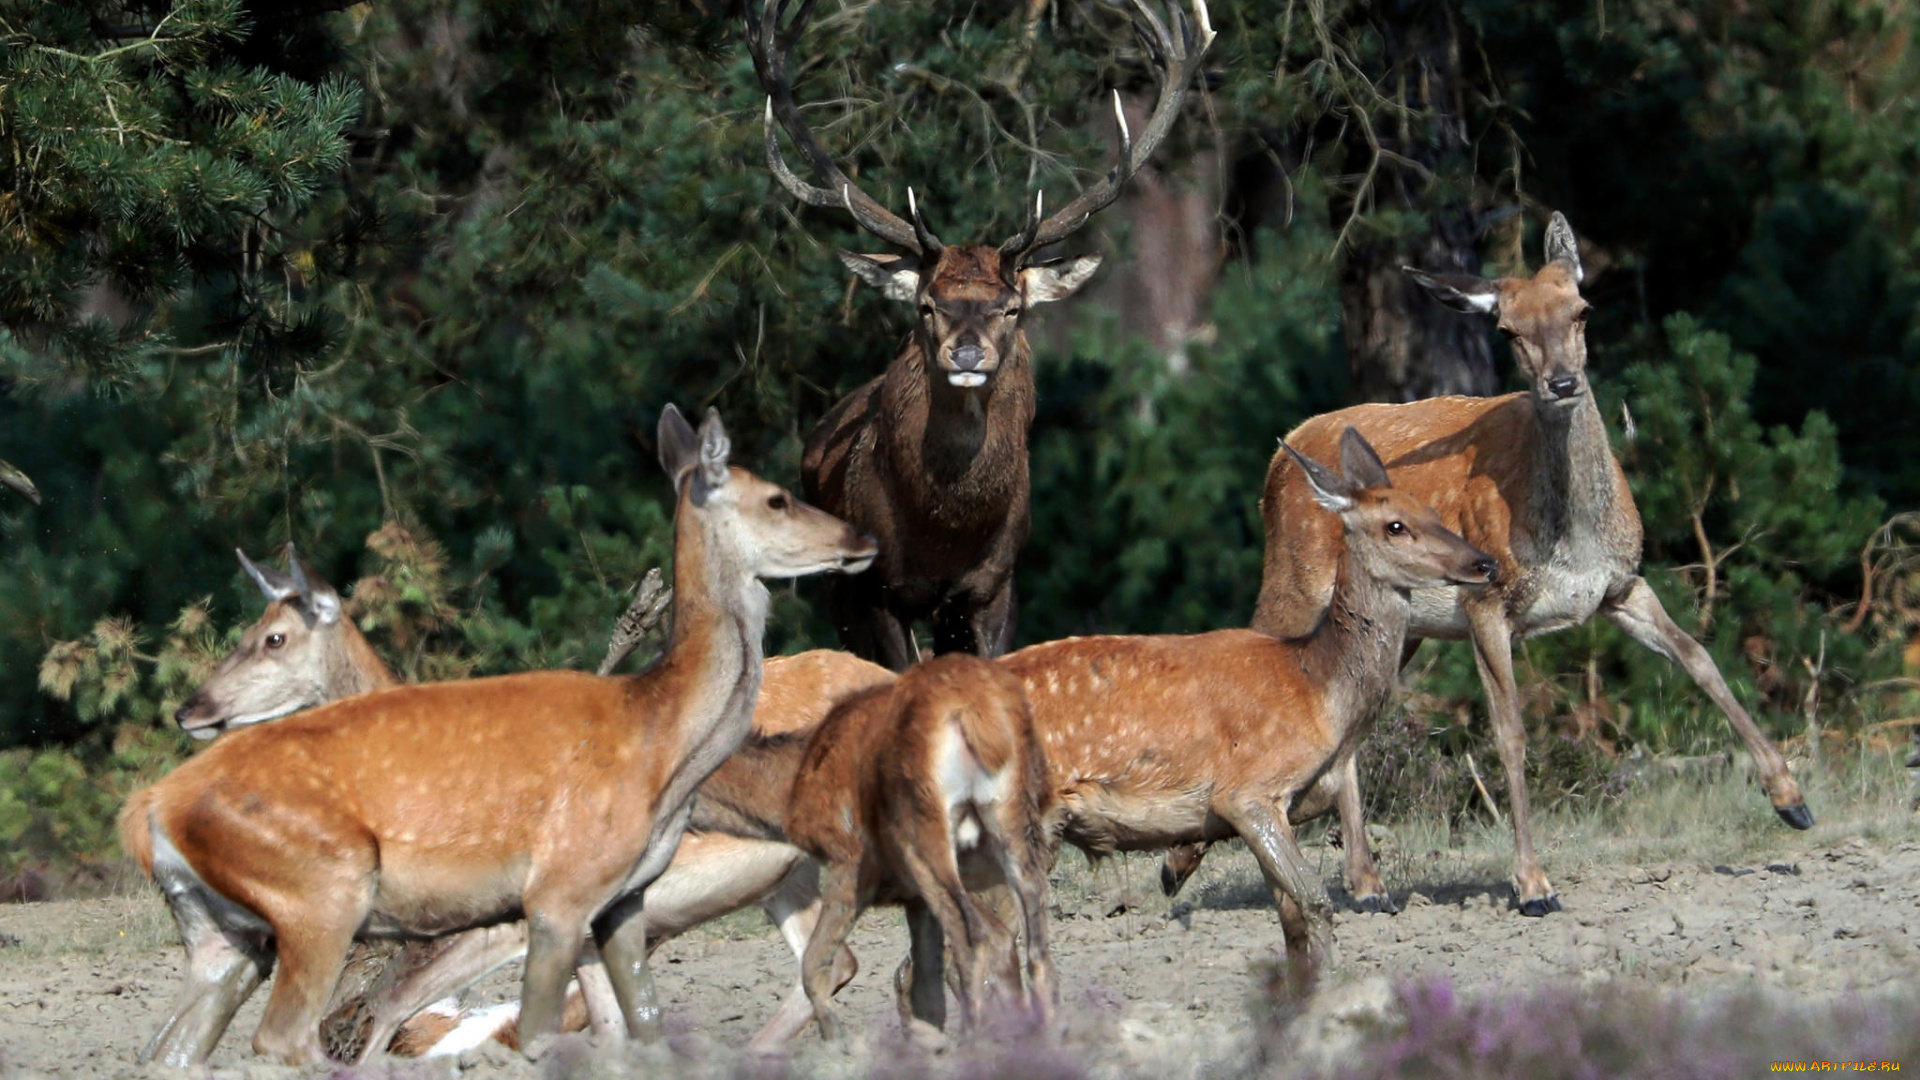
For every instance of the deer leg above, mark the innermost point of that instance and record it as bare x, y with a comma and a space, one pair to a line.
597, 995
919, 985
968, 932
223, 969
1639, 612
1306, 915
556, 925
1024, 866
795, 909
312, 946
1363, 877
869, 628
1493, 655
468, 957
1179, 863
839, 907
622, 933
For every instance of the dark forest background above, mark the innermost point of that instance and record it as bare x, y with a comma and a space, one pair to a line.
408, 283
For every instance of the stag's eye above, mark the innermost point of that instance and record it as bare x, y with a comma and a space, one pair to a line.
274, 641
1580, 317
1010, 313
926, 311
778, 502
1396, 528
1509, 333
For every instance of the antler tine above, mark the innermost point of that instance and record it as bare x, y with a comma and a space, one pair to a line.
929, 243
1022, 242
769, 46
1178, 53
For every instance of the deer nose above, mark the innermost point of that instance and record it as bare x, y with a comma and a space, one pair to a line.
1564, 386
1487, 568
183, 714
968, 357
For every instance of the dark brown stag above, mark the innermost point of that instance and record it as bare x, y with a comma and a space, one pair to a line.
931, 457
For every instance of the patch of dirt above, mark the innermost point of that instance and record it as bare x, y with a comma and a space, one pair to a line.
84, 983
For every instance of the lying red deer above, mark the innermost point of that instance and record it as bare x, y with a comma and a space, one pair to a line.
922, 793
1530, 478
423, 810
931, 457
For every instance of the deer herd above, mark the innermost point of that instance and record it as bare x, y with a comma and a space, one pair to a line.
579, 820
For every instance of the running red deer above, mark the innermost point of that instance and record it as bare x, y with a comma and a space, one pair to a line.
282, 666
923, 793
423, 810
931, 457
1530, 478
1153, 741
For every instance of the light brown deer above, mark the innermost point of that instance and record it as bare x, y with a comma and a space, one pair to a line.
300, 653
931, 457
923, 793
1530, 478
423, 810
292, 658
1153, 741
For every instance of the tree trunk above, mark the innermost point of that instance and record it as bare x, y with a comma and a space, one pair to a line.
1401, 344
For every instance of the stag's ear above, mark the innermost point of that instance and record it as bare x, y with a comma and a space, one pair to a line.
273, 584
679, 447
1329, 489
1561, 244
1057, 279
711, 472
315, 594
1363, 467
1461, 292
896, 276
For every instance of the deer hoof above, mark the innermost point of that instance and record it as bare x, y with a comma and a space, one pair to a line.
1540, 906
1376, 904
1796, 815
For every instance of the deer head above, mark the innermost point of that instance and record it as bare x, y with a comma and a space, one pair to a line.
756, 527
1394, 537
969, 298
294, 657
1543, 317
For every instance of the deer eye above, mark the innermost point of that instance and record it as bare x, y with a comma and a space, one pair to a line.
1508, 332
1396, 528
926, 311
1010, 313
778, 502
1580, 317
274, 641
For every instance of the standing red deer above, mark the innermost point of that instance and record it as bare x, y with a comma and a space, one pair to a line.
300, 654
1530, 478
424, 810
931, 457
922, 793
1153, 741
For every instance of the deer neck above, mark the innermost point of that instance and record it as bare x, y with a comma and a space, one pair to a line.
711, 670
353, 667
1354, 651
1574, 478
959, 429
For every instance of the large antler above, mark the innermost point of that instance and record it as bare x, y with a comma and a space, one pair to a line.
1178, 51
770, 47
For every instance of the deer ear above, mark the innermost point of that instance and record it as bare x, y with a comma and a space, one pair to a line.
1363, 467
714, 449
678, 444
896, 276
315, 594
1329, 490
1461, 292
1561, 244
273, 584
1057, 279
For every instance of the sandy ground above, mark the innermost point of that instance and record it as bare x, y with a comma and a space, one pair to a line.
1153, 986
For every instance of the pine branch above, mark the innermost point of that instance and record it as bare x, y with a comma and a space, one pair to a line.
643, 616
